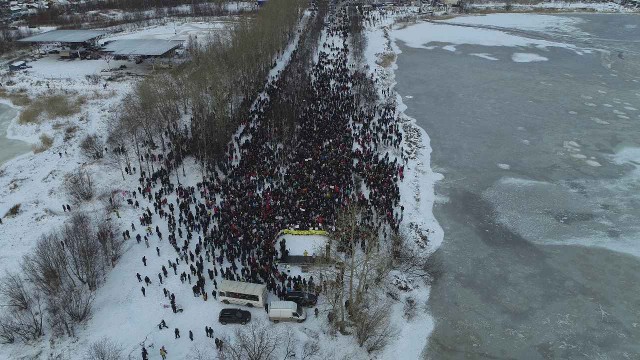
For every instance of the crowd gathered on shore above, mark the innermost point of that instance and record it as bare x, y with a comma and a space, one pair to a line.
343, 152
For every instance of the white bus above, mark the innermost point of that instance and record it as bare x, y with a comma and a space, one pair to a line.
242, 293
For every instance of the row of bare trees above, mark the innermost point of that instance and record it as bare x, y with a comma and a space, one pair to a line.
354, 269
198, 106
80, 14
260, 341
58, 279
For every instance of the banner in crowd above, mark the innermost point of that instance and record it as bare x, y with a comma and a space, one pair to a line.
304, 232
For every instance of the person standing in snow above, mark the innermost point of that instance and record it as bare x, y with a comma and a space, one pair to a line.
143, 291
177, 333
163, 353
144, 260
144, 354
190, 335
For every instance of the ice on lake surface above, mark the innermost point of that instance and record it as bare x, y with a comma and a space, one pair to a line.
533, 256
9, 148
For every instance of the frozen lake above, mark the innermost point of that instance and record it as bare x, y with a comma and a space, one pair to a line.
540, 152
9, 148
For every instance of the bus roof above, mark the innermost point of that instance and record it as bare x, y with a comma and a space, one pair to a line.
242, 287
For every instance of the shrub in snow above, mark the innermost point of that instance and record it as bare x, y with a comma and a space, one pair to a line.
372, 325
79, 186
15, 210
410, 308
401, 283
70, 132
92, 147
104, 349
24, 320
66, 268
45, 143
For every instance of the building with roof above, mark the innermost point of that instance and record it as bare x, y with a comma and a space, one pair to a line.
141, 47
72, 37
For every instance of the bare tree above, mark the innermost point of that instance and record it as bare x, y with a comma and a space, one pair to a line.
208, 352
82, 250
119, 155
372, 325
25, 318
79, 186
257, 341
112, 246
47, 267
14, 292
107, 58
7, 333
290, 343
104, 349
77, 303
310, 350
58, 319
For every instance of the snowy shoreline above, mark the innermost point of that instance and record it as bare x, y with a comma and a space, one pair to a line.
417, 194
13, 125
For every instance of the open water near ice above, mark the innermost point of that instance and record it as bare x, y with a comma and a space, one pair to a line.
541, 254
9, 148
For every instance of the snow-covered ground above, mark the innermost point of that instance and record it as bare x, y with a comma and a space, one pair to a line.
176, 30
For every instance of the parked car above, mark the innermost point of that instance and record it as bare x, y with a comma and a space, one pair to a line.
302, 298
286, 311
234, 316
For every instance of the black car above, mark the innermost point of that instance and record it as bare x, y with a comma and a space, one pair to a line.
234, 316
301, 298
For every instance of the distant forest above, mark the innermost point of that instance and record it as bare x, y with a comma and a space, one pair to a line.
77, 15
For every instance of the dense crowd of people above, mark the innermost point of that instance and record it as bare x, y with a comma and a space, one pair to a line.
227, 225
